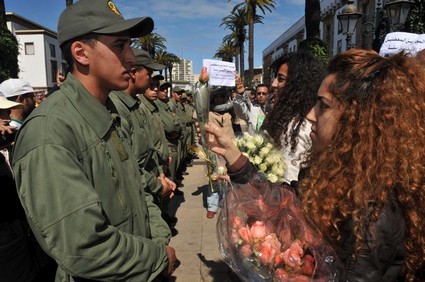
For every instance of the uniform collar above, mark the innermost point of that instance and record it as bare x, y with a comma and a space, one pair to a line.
94, 112
150, 106
127, 99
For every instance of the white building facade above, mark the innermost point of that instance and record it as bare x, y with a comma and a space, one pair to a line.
39, 52
183, 71
365, 36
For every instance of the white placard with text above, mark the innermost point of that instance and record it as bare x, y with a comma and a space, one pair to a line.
220, 73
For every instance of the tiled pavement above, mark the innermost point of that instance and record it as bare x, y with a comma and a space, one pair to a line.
196, 242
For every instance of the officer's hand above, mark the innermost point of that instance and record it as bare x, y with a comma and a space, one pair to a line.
172, 260
168, 186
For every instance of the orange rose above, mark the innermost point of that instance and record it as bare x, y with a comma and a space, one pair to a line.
246, 250
266, 255
245, 234
235, 236
258, 230
307, 267
273, 242
203, 78
281, 275
278, 259
236, 222
292, 256
299, 278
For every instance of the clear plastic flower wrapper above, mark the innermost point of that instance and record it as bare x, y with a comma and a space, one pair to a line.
264, 236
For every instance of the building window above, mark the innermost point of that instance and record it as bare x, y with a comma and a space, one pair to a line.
339, 46
29, 48
54, 70
339, 27
52, 51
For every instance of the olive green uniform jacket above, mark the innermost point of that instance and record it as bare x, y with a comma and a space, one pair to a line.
82, 192
172, 127
135, 127
156, 135
173, 131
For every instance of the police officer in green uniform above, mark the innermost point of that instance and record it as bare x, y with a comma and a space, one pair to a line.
188, 110
90, 212
138, 128
177, 109
171, 126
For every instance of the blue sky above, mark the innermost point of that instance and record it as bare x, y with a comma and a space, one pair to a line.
191, 27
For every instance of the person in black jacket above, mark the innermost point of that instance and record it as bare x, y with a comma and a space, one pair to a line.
365, 187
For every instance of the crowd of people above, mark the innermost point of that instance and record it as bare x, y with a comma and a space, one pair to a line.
115, 139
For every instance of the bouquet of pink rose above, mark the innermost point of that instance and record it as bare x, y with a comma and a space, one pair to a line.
264, 236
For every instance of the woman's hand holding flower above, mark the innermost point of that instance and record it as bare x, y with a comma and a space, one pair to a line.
221, 144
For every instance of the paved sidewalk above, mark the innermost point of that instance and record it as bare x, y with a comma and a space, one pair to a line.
196, 243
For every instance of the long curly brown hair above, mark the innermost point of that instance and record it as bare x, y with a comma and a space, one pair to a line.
298, 96
378, 150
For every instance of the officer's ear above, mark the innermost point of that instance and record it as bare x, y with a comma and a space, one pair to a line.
133, 72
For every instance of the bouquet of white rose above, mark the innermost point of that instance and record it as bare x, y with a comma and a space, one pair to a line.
261, 151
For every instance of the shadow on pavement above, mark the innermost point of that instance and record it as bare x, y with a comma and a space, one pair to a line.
219, 271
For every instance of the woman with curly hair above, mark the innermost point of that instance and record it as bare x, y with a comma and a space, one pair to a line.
286, 123
366, 185
365, 189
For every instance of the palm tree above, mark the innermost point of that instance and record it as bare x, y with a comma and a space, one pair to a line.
69, 2
152, 43
230, 39
251, 7
236, 23
312, 18
226, 51
167, 59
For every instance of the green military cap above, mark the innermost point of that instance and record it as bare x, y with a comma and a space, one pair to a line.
100, 17
158, 77
144, 59
178, 89
165, 85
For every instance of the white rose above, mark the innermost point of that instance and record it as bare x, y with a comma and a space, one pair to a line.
250, 145
272, 178
264, 152
277, 170
221, 170
269, 145
257, 160
258, 140
262, 167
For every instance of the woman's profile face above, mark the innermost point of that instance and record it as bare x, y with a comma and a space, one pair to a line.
324, 116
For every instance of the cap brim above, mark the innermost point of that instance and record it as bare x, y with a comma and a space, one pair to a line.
6, 104
165, 85
158, 77
137, 27
155, 66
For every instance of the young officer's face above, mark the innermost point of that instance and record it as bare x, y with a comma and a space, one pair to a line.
110, 61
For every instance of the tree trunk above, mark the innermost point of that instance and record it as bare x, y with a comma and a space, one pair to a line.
312, 18
170, 70
166, 74
242, 61
251, 50
69, 2
237, 60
